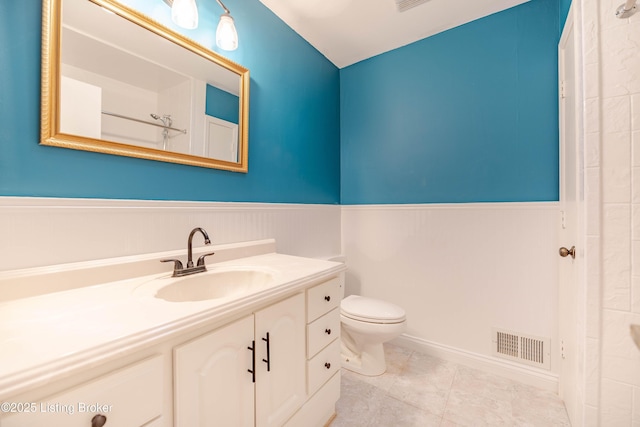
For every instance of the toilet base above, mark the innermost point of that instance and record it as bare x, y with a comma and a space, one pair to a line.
370, 362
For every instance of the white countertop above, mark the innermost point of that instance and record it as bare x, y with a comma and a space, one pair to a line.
43, 335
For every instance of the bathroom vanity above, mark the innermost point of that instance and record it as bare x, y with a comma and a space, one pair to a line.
252, 341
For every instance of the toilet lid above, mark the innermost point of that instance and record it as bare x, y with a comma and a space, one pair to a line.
371, 310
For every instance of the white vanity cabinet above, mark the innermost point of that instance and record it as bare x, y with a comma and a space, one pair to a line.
251, 372
265, 354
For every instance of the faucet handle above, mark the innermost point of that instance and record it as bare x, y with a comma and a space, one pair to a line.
177, 263
202, 257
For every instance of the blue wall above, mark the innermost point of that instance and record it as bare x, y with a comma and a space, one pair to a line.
564, 11
468, 115
294, 134
222, 104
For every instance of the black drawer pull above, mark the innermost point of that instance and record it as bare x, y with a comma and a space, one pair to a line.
252, 371
268, 359
327, 365
98, 420
327, 298
327, 331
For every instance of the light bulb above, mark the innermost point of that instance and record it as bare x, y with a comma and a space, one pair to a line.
185, 13
226, 34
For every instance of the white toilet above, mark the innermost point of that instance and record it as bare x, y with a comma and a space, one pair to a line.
366, 324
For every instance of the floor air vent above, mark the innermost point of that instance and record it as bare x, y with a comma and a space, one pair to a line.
527, 349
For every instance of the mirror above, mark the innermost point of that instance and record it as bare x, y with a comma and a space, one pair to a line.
116, 82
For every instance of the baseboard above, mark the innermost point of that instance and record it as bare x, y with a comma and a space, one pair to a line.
513, 371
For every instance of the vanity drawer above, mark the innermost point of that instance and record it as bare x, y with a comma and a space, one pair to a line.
128, 397
322, 299
323, 366
322, 331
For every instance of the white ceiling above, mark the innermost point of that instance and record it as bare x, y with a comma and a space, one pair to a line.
348, 31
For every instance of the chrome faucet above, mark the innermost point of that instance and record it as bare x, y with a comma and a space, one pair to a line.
178, 269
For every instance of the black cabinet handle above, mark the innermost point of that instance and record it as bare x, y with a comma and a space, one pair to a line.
327, 298
268, 359
327, 331
253, 361
98, 420
327, 365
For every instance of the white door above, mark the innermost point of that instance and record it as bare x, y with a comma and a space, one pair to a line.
570, 205
213, 385
280, 371
221, 139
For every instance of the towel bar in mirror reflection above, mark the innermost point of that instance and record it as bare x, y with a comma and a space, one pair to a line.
106, 77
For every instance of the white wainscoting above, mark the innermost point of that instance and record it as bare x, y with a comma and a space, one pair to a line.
457, 270
38, 232
460, 270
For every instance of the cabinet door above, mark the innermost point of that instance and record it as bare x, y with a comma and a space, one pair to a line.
212, 384
280, 384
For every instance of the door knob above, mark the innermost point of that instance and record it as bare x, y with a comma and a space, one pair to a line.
564, 252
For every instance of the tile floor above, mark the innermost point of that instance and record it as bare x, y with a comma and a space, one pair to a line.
421, 390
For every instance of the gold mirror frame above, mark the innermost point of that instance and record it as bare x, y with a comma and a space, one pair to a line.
50, 84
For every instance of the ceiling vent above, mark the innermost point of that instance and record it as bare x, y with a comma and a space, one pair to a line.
404, 5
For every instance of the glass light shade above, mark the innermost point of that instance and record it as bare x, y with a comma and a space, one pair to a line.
226, 34
185, 13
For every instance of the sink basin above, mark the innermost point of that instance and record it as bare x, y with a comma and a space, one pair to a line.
215, 284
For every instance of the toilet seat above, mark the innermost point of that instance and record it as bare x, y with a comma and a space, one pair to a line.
371, 310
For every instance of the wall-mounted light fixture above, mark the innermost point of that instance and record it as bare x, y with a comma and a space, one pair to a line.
226, 34
185, 14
